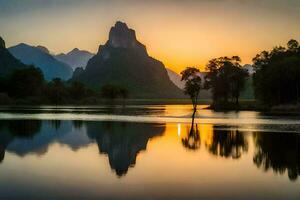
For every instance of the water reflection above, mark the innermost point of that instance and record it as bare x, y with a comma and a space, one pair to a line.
24, 137
192, 140
228, 143
219, 141
122, 141
279, 152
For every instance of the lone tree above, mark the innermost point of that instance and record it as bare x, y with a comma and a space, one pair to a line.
192, 78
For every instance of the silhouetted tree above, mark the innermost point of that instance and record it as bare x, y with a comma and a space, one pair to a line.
192, 78
79, 91
56, 91
277, 77
112, 92
226, 78
26, 82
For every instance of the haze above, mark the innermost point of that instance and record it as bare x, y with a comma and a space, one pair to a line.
179, 33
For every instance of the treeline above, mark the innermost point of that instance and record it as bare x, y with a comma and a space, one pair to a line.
226, 79
276, 79
28, 86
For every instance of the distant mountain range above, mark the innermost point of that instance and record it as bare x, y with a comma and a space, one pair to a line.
124, 61
176, 79
8, 62
75, 58
40, 57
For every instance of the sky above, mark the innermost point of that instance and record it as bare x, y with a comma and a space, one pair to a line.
179, 33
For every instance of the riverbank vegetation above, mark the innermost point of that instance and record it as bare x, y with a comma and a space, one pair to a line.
28, 87
275, 81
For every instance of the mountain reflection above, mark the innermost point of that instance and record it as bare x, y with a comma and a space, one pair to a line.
228, 143
122, 141
24, 137
279, 152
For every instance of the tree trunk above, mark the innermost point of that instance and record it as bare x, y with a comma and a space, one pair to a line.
297, 93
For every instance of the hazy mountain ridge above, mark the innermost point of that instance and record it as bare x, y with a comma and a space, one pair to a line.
75, 58
38, 56
124, 61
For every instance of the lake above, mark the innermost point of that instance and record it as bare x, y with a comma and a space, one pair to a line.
147, 152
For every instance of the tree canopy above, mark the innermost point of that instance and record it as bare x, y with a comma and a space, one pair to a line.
192, 78
277, 77
226, 78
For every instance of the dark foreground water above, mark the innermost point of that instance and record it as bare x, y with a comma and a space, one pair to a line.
147, 152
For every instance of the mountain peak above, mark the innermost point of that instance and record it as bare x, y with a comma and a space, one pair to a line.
43, 49
2, 43
74, 50
120, 36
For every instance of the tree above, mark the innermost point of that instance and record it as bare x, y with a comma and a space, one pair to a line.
26, 82
293, 45
78, 91
277, 75
124, 93
226, 78
112, 92
109, 92
192, 78
56, 91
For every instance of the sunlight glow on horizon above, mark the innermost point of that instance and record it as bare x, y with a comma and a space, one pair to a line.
179, 34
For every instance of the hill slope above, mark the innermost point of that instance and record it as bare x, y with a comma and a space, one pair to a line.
38, 57
8, 62
124, 61
75, 58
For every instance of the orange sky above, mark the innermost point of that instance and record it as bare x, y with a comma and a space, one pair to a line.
179, 33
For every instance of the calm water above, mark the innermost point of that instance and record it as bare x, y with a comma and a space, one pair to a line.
147, 152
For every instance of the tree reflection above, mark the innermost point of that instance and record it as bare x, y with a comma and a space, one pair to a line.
78, 124
228, 143
55, 124
279, 152
11, 129
24, 128
192, 141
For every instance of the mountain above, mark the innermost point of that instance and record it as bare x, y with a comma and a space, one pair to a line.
75, 58
8, 62
175, 78
39, 57
124, 61
44, 49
